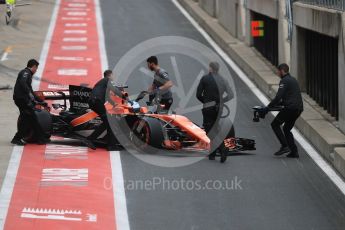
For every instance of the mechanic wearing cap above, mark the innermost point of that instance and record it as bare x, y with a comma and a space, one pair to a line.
96, 103
161, 84
210, 92
25, 99
289, 96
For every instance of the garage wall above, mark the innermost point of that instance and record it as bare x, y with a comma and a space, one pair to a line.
227, 15
265, 7
210, 6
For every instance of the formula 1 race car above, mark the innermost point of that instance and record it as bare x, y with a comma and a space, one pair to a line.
142, 127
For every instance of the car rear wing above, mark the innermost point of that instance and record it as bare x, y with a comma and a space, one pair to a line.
78, 96
53, 95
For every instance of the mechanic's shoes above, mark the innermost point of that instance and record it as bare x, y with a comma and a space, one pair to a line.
222, 158
282, 151
223, 155
212, 156
293, 155
19, 142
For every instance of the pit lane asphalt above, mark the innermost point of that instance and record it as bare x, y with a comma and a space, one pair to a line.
277, 193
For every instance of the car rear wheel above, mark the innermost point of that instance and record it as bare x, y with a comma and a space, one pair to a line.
44, 121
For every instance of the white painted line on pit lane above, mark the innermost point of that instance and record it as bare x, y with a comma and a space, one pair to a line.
119, 192
77, 1
76, 13
83, 39
61, 58
76, 24
7, 51
120, 203
8, 183
74, 47
81, 5
76, 9
99, 21
74, 18
75, 32
310, 150
72, 72
4, 56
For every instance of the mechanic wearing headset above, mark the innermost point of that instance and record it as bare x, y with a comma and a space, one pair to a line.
289, 96
210, 92
96, 103
25, 99
161, 84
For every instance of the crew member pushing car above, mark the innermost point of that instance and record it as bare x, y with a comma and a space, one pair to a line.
161, 84
289, 96
210, 92
25, 99
97, 101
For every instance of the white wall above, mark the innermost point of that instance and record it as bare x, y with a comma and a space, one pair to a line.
210, 6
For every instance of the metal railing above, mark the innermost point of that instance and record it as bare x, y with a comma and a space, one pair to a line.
288, 15
332, 4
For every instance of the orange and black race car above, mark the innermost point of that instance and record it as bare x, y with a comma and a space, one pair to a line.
133, 125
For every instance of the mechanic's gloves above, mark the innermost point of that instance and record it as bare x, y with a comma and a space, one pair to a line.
263, 111
141, 95
153, 94
30, 104
260, 112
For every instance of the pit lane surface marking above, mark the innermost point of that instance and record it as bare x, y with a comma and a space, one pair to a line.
309, 149
5, 54
65, 192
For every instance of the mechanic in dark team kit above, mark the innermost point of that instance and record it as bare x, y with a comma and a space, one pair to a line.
289, 96
210, 92
161, 85
97, 101
25, 99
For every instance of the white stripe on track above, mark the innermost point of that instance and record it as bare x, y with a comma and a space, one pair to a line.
99, 21
119, 192
8, 184
120, 203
